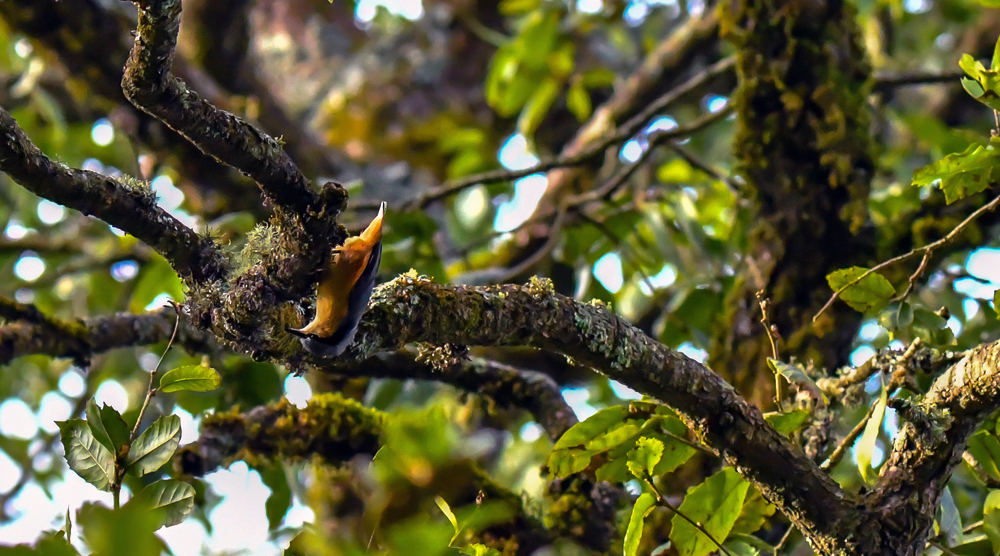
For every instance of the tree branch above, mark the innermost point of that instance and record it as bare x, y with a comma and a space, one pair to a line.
96, 335
130, 207
931, 443
149, 84
506, 385
412, 309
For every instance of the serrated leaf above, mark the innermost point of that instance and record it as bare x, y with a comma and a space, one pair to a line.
866, 445
633, 534
87, 457
173, 499
155, 446
789, 422
194, 378
869, 295
715, 504
107, 426
643, 458
961, 174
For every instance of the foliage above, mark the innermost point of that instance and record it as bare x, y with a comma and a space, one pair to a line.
412, 108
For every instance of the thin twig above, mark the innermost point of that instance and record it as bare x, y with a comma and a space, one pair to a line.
926, 250
662, 500
623, 133
848, 441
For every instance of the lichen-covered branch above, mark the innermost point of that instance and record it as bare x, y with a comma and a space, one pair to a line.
337, 430
930, 445
81, 339
130, 207
507, 386
416, 310
149, 84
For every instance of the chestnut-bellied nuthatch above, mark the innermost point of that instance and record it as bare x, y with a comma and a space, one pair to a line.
343, 292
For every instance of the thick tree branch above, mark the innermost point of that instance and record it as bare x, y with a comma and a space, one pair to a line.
149, 84
81, 339
931, 444
411, 310
506, 385
337, 430
130, 207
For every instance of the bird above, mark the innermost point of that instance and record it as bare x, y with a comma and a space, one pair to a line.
343, 292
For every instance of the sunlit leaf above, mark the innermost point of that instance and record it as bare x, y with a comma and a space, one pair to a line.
961, 174
866, 445
985, 448
991, 519
195, 378
715, 504
868, 295
643, 458
633, 534
753, 514
788, 422
796, 374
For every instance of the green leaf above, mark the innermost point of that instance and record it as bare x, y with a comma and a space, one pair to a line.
633, 534
715, 504
126, 530
97, 427
985, 447
787, 423
155, 446
578, 101
949, 519
156, 277
796, 374
996, 302
869, 295
896, 317
172, 499
866, 446
595, 425
442, 504
280, 499
195, 378
107, 426
643, 458
479, 550
518, 7
538, 106
961, 174
991, 519
753, 514
87, 457
995, 63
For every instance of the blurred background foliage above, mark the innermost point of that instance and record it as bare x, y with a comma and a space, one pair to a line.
394, 99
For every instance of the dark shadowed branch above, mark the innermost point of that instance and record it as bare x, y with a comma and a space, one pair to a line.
130, 207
